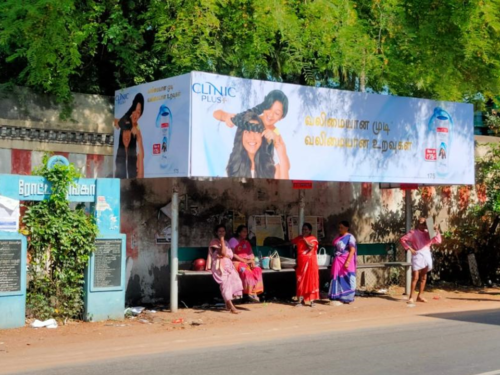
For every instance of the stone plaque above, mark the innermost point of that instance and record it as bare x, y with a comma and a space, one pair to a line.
10, 265
108, 263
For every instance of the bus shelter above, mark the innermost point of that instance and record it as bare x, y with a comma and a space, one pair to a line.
202, 125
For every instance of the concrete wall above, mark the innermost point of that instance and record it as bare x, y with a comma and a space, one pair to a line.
376, 216
22, 107
28, 113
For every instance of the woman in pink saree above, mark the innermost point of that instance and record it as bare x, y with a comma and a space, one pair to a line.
220, 262
343, 284
244, 261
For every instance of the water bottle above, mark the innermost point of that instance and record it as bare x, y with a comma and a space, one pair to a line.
164, 122
441, 125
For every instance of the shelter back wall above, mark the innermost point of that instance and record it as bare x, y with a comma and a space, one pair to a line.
376, 216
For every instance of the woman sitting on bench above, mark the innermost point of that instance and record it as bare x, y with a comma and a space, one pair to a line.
220, 262
244, 261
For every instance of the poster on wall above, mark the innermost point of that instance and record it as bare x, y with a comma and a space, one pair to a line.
259, 129
152, 129
238, 219
9, 214
268, 229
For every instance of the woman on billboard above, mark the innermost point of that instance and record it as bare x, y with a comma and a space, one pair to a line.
249, 157
273, 109
130, 155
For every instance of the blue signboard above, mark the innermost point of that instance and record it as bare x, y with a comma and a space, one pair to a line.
37, 188
105, 276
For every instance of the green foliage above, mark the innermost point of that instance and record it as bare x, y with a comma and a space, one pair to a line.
475, 229
493, 122
488, 174
61, 240
424, 48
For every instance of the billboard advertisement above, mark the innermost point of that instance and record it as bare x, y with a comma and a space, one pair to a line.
152, 129
208, 125
260, 129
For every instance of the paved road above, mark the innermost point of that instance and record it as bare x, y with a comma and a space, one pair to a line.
453, 344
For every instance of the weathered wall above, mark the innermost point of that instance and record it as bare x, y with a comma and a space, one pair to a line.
376, 215
30, 125
14, 161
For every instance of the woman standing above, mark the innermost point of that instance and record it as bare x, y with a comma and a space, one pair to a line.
244, 261
223, 271
343, 284
307, 270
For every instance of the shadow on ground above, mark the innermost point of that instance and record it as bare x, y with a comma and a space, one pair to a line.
491, 317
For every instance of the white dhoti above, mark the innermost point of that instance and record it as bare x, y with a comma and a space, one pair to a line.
421, 259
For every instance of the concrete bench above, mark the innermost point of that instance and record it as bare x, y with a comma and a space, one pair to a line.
385, 254
199, 273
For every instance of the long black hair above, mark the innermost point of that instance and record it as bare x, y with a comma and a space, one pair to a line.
126, 162
270, 98
125, 122
239, 164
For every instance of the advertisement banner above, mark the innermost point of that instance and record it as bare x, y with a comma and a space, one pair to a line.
257, 129
152, 129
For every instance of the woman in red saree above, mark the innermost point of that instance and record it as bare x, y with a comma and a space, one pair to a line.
307, 271
244, 262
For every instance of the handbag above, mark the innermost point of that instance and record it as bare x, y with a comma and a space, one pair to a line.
265, 261
323, 258
275, 261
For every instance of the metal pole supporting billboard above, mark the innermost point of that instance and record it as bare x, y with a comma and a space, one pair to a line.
302, 205
174, 246
408, 221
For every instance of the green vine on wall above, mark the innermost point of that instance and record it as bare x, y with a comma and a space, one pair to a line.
61, 240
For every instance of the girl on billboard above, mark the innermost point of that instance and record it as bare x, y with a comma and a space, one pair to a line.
273, 109
250, 157
130, 155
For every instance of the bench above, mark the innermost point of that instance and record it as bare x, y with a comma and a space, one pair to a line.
194, 285
379, 250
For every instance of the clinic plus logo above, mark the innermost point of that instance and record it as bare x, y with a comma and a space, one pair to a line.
211, 93
121, 98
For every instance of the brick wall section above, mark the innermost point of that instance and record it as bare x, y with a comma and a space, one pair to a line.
23, 161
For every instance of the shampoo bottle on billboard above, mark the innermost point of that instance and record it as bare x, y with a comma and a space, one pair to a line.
164, 122
441, 125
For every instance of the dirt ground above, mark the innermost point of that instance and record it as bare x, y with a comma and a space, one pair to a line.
153, 332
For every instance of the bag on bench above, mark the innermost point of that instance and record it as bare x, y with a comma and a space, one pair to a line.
265, 262
275, 261
323, 258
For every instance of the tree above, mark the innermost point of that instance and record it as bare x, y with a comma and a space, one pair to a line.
61, 240
422, 48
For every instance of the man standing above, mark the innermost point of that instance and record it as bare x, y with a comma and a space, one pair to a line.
419, 243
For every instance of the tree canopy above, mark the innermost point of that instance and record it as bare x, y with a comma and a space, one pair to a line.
441, 49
